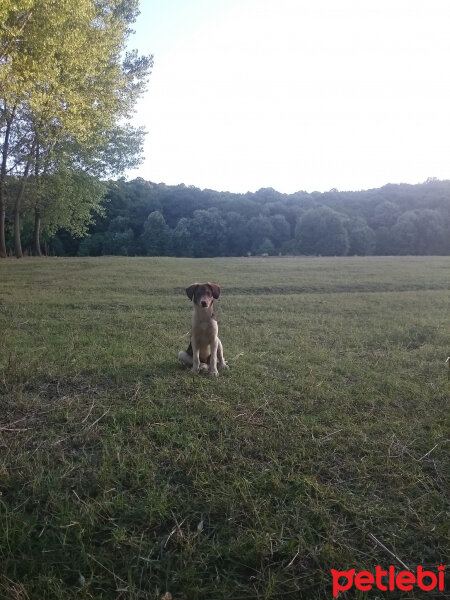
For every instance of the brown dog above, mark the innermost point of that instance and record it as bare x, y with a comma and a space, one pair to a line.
205, 347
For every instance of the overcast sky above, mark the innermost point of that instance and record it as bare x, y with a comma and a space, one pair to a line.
295, 94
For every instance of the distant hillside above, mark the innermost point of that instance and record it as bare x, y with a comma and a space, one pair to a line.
144, 218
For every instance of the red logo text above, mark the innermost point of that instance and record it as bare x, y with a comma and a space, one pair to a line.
390, 579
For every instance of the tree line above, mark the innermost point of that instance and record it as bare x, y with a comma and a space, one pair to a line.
146, 219
67, 91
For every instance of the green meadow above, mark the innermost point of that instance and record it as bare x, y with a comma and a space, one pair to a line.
122, 476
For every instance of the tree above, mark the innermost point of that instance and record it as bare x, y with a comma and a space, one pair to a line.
258, 230
7, 115
207, 232
321, 231
405, 232
117, 242
385, 215
281, 232
65, 199
66, 90
182, 242
419, 232
156, 236
236, 240
266, 247
384, 242
361, 237
91, 245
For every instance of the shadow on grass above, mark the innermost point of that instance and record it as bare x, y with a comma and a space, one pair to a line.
49, 385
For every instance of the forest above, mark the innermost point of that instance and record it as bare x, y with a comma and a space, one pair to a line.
140, 218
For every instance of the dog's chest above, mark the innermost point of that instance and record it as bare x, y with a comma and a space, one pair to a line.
204, 332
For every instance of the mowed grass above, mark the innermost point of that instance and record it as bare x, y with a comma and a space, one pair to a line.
122, 476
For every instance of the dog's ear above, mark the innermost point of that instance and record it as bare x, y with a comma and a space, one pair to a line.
215, 289
191, 289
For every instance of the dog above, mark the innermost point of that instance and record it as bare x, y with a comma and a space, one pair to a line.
205, 351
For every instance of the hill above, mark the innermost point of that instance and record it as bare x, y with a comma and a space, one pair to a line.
145, 218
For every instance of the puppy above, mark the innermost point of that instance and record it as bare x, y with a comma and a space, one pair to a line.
205, 347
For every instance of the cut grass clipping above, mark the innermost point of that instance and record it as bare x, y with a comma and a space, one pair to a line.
324, 446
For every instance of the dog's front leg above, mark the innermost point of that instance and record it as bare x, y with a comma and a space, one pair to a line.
195, 359
220, 357
213, 361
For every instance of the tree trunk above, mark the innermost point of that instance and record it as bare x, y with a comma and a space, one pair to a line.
37, 229
18, 204
2, 230
17, 244
5, 149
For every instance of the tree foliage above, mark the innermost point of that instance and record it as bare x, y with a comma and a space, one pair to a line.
167, 220
321, 231
66, 92
156, 235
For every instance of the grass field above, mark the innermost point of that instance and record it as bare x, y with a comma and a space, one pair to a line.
122, 476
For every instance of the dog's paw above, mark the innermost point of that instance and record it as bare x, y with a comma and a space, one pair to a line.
203, 367
194, 371
224, 365
214, 373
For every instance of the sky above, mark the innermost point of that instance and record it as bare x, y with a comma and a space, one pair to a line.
295, 94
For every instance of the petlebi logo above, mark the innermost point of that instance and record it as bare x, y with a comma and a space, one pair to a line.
389, 580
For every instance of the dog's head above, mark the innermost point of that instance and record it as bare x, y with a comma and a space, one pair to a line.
203, 294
